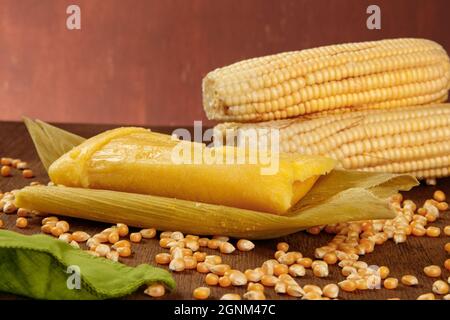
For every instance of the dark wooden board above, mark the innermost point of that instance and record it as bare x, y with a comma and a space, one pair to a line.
406, 258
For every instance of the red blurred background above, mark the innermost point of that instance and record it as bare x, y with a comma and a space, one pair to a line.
142, 61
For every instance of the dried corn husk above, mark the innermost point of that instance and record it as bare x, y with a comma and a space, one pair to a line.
338, 197
50, 142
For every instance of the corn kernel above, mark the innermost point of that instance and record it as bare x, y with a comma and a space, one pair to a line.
433, 232
440, 287
162, 258
331, 291
201, 293
254, 295
211, 279
439, 195
279, 269
231, 296
252, 286
432, 271
283, 246
27, 174
426, 296
347, 285
224, 281
245, 245
390, 283
383, 272
409, 280
21, 222
155, 290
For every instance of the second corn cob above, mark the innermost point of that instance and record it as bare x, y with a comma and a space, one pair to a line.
413, 140
366, 75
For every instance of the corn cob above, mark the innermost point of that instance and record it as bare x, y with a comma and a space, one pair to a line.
367, 75
414, 140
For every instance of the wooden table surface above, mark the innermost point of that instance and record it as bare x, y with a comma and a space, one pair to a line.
406, 258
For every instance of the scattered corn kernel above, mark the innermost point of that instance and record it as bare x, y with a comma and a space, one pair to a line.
199, 256
177, 265
155, 290
112, 255
21, 222
231, 296
245, 245
433, 232
135, 237
27, 173
5, 171
297, 270
66, 237
202, 267
190, 262
426, 296
64, 225
237, 278
279, 269
6, 161
124, 251
162, 258
347, 285
295, 291
390, 283
211, 279
201, 293
439, 195
312, 288
9, 207
219, 269
214, 243
321, 271
254, 295
447, 264
226, 247
432, 271
409, 280
22, 212
253, 286
330, 258
447, 247
269, 280
331, 291
224, 281
203, 242
148, 233
383, 272
305, 262
440, 287
122, 229
447, 230
56, 231
442, 206
283, 246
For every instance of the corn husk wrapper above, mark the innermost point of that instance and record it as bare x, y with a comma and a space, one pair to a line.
340, 196
50, 141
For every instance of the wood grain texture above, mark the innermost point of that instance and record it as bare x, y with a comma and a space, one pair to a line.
142, 61
406, 258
